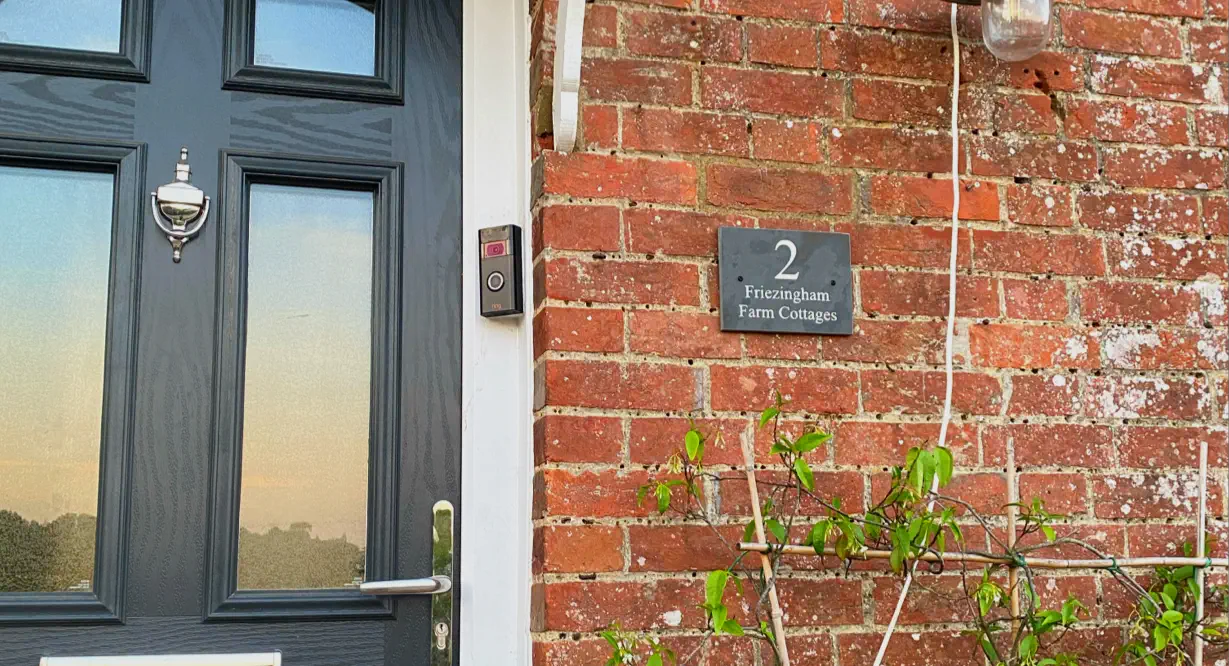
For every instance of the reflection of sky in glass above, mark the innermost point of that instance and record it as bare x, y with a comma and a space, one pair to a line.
307, 378
89, 25
55, 240
316, 35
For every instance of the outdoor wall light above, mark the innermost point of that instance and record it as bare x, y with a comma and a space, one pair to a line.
1013, 30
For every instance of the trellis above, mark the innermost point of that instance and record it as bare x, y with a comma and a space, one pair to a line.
1200, 564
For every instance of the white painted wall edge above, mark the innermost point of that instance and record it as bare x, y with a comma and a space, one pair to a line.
569, 35
497, 377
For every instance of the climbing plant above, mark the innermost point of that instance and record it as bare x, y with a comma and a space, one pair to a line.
912, 519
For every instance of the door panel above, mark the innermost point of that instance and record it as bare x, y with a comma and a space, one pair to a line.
171, 482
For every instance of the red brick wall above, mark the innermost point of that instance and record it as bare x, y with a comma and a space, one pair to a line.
1092, 318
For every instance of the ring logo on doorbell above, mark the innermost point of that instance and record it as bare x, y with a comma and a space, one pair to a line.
499, 270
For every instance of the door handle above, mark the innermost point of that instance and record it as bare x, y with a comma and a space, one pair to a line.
432, 585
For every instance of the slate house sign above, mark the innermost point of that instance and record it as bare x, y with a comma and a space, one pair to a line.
778, 281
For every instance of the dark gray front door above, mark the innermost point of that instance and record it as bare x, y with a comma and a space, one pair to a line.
209, 455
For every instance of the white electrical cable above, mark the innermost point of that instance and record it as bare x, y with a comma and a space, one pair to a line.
951, 315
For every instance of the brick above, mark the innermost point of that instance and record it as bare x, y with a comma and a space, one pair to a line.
1025, 346
931, 197
1216, 215
566, 652
593, 228
609, 176
653, 440
876, 443
910, 56
668, 130
1182, 349
599, 127
1055, 394
1047, 71
785, 140
571, 439
1159, 7
848, 487
1039, 205
1125, 121
577, 329
912, 15
878, 341
1155, 80
1164, 167
646, 81
622, 282
788, 190
1216, 9
1152, 447
1034, 158
1155, 495
601, 26
915, 392
682, 335
814, 390
787, 347
1212, 127
673, 232
1171, 259
1035, 299
1063, 444
992, 110
1147, 397
1062, 254
683, 36
682, 547
784, 45
605, 494
595, 605
929, 648
1209, 43
910, 293
578, 548
1122, 33
824, 602
1168, 539
765, 91
1132, 212
901, 102
891, 148
1062, 493
820, 11
927, 604
882, 245
610, 385
810, 650
1131, 302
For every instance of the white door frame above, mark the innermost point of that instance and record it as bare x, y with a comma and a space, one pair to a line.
497, 355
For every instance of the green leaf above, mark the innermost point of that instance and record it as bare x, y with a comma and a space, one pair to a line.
641, 493
780, 448
1028, 648
811, 441
654, 660
768, 415
775, 527
749, 532
818, 537
987, 646
1172, 617
719, 615
714, 587
663, 498
1048, 532
1150, 660
694, 443
732, 628
945, 465
1159, 639
767, 631
804, 474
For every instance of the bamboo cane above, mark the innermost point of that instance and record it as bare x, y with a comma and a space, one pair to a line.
1034, 562
1013, 577
1201, 548
778, 623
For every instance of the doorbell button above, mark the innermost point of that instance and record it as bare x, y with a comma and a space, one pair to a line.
495, 281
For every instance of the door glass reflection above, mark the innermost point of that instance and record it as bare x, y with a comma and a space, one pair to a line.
317, 35
86, 25
303, 508
55, 239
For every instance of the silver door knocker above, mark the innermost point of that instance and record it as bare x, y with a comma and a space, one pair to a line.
180, 208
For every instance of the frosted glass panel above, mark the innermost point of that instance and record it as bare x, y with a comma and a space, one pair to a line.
55, 239
316, 35
307, 385
87, 25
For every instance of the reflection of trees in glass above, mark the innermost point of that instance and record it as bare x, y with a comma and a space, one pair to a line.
46, 557
289, 559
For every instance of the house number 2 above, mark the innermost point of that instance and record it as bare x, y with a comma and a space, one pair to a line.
793, 254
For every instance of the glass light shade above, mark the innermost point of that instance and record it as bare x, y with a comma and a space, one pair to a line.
1015, 29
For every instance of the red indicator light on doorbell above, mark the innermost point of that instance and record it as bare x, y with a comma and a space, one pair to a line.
495, 249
